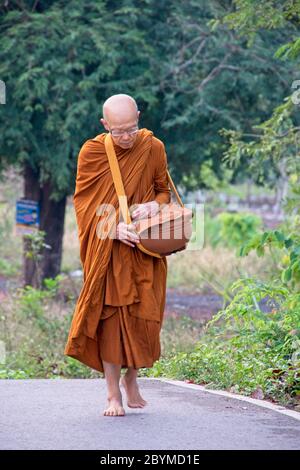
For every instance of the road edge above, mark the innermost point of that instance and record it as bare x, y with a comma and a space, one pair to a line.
254, 401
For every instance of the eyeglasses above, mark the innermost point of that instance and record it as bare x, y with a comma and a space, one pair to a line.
131, 131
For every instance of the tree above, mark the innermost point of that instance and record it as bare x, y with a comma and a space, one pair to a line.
59, 61
276, 139
190, 74
212, 79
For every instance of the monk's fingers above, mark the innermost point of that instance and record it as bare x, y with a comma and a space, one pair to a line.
128, 235
132, 240
130, 227
141, 209
127, 230
127, 243
133, 236
141, 214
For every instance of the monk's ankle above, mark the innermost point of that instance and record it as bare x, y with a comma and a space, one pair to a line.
130, 379
117, 396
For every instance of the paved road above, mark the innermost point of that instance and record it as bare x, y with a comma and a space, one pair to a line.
67, 414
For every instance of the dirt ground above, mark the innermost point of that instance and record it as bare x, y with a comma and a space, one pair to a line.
195, 305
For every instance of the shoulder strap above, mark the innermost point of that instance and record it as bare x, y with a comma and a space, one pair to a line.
175, 190
117, 178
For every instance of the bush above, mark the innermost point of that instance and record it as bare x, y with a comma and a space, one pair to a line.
231, 230
247, 347
237, 228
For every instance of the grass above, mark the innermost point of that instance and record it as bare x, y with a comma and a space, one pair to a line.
34, 327
246, 350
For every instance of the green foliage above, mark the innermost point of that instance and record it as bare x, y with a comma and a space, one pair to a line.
34, 330
236, 228
7, 268
288, 244
273, 152
208, 86
231, 229
289, 51
27, 365
190, 80
33, 304
69, 57
34, 249
273, 148
245, 348
249, 17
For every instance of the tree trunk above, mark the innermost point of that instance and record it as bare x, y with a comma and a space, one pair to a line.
31, 191
52, 216
52, 220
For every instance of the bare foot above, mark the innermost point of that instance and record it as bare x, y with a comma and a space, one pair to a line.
134, 399
115, 406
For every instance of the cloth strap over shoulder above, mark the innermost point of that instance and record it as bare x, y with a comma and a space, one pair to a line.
174, 219
115, 169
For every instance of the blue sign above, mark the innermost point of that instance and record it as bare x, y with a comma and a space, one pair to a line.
27, 216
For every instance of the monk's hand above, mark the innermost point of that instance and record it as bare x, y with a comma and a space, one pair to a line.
126, 233
148, 209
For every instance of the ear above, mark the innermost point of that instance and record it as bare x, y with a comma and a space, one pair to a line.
104, 123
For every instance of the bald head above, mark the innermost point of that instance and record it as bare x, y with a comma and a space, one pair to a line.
120, 116
120, 109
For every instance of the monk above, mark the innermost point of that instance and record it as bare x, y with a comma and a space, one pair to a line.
119, 312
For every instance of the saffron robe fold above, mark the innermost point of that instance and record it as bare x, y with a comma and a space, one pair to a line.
115, 274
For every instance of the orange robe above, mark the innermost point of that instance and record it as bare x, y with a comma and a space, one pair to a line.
119, 312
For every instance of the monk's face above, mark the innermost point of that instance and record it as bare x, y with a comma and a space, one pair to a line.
120, 126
